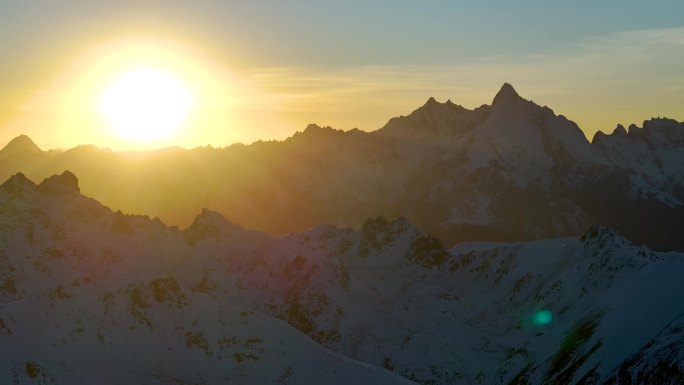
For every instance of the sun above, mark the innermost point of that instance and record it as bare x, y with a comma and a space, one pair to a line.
145, 104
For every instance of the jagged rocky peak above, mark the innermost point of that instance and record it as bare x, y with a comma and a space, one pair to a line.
662, 122
656, 130
431, 102
214, 217
315, 130
433, 105
18, 186
377, 233
21, 143
666, 129
600, 137
373, 226
17, 180
66, 182
210, 224
508, 101
634, 130
599, 232
618, 131
324, 232
431, 118
507, 94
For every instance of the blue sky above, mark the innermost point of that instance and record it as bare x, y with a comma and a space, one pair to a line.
339, 33
303, 46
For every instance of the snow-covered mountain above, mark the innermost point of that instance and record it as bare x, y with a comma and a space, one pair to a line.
515, 170
509, 171
93, 296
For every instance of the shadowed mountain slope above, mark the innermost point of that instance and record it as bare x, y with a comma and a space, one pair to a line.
512, 170
93, 296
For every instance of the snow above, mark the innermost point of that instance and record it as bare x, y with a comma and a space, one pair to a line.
327, 305
95, 296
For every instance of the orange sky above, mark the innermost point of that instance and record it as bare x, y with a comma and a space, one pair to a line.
254, 76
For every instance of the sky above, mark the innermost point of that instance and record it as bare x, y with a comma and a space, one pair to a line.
263, 70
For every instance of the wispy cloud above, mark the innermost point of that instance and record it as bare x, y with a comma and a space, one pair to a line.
621, 77
618, 78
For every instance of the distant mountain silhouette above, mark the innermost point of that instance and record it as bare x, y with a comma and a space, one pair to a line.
20, 144
512, 170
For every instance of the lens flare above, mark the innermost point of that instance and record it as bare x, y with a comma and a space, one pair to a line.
542, 317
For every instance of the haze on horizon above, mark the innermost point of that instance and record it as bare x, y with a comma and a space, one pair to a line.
265, 70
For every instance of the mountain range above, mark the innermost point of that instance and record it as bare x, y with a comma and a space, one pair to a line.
94, 296
452, 246
509, 171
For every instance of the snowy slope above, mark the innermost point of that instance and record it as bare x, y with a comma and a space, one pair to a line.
390, 296
658, 362
90, 296
654, 154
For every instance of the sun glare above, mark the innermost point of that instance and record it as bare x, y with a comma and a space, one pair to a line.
145, 104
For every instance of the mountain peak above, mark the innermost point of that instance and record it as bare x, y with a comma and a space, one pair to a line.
505, 94
600, 232
377, 233
620, 130
65, 182
18, 179
431, 102
313, 130
21, 143
313, 127
210, 224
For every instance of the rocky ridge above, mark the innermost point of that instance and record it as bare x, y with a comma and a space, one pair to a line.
92, 295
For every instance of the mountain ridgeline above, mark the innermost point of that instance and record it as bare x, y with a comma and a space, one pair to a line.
89, 295
512, 170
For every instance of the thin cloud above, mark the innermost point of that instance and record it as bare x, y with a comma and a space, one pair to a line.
623, 72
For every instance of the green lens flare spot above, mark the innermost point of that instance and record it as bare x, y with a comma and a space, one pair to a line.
542, 317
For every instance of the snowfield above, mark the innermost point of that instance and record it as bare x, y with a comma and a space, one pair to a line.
93, 296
